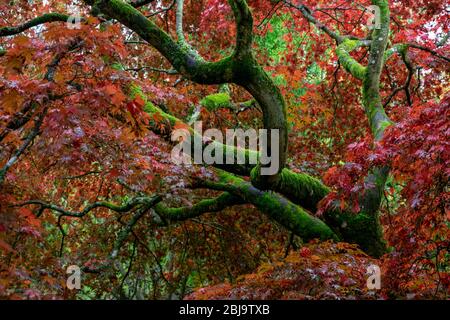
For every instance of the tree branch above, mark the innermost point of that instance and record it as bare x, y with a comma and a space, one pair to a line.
180, 57
405, 87
30, 137
347, 61
378, 120
142, 201
204, 206
276, 207
49, 76
45, 18
431, 51
167, 71
306, 12
179, 21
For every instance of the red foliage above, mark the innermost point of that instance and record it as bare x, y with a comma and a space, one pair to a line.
417, 151
316, 271
94, 133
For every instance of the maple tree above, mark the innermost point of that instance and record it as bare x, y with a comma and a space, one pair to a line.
92, 91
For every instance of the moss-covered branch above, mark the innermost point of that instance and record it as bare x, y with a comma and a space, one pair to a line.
223, 100
347, 61
244, 24
242, 159
276, 207
179, 56
45, 18
141, 201
362, 228
300, 188
204, 206
378, 120
240, 67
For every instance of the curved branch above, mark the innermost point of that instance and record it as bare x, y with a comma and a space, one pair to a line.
240, 67
348, 62
244, 24
276, 207
400, 47
51, 17
167, 125
163, 9
123, 235
45, 18
143, 201
204, 206
298, 187
431, 51
404, 55
181, 58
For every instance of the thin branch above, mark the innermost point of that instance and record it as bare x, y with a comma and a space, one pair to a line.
269, 15
164, 9
81, 175
143, 201
167, 71
431, 51
33, 133
123, 235
19, 119
306, 12
405, 87
49, 76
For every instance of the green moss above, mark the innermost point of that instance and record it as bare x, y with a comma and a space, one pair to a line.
362, 229
279, 209
207, 205
182, 58
117, 66
248, 103
150, 108
299, 188
398, 48
378, 119
216, 101
302, 188
349, 63
366, 231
